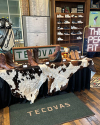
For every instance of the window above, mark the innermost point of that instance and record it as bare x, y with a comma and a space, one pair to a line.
11, 9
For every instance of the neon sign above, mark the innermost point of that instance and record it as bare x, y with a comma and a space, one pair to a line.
93, 44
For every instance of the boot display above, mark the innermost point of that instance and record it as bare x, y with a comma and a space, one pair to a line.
56, 50
3, 63
56, 56
9, 60
77, 55
30, 59
72, 54
35, 53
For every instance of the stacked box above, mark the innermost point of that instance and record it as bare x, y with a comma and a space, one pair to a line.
73, 10
80, 9
58, 9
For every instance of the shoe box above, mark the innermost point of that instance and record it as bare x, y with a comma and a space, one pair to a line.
80, 9
73, 10
58, 9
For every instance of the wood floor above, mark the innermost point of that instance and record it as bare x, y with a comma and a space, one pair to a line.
90, 97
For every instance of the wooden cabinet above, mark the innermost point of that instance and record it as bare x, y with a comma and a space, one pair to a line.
67, 28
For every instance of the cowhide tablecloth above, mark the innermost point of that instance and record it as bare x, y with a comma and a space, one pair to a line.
26, 82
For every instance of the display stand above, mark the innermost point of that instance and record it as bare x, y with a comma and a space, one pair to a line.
65, 27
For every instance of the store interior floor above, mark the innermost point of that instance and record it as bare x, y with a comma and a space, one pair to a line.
91, 98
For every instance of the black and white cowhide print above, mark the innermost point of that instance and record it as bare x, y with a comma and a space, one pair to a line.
25, 83
60, 73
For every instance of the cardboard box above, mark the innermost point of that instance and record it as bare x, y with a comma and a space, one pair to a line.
58, 9
73, 10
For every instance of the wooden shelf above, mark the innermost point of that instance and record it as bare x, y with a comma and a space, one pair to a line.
70, 13
76, 17
62, 40
76, 34
70, 34
63, 29
64, 24
63, 35
60, 17
76, 23
63, 18
94, 8
72, 39
77, 29
75, 39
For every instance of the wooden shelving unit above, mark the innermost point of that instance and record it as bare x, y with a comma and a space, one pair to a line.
68, 40
95, 9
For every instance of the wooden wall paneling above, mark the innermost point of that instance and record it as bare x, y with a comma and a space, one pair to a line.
24, 6
52, 21
87, 16
55, 29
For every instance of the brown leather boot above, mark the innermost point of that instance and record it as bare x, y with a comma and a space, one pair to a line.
77, 54
3, 63
56, 56
35, 53
56, 50
9, 60
72, 55
30, 59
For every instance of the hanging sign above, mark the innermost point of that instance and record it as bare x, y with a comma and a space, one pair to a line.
93, 44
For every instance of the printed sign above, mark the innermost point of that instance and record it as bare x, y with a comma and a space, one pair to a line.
94, 40
21, 54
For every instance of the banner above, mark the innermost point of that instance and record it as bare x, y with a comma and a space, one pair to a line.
93, 44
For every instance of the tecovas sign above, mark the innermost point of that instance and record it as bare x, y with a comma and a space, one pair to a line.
20, 54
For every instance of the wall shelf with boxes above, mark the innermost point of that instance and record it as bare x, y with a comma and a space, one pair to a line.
68, 19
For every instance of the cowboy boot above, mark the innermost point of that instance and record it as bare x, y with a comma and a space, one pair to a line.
3, 63
56, 56
72, 55
56, 50
30, 59
77, 55
9, 60
35, 53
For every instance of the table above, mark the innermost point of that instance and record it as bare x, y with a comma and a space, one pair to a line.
78, 80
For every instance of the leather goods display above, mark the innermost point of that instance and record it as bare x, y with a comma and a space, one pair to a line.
72, 54
9, 60
56, 56
3, 63
77, 54
30, 58
35, 53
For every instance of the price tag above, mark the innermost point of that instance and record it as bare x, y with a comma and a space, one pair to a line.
47, 63
64, 60
24, 66
79, 51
